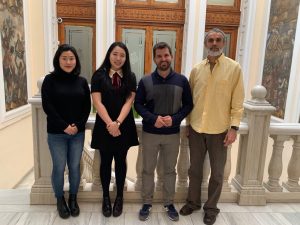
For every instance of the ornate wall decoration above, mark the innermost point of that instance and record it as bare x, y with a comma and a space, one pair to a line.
76, 11
279, 52
142, 15
13, 53
219, 17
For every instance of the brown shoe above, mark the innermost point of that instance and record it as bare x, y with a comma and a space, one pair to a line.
187, 209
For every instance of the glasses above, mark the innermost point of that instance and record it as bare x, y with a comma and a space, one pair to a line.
211, 40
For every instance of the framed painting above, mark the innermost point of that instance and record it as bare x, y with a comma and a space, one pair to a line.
279, 52
13, 67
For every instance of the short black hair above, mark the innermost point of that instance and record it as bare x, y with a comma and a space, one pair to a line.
64, 48
161, 45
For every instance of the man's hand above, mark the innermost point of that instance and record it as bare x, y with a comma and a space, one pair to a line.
230, 137
160, 122
168, 121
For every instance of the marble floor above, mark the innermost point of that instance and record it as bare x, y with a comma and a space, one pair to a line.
16, 210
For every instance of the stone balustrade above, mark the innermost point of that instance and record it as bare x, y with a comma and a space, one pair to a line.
247, 187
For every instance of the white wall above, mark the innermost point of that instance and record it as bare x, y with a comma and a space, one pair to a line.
16, 145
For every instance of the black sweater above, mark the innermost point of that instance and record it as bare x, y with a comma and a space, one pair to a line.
66, 100
163, 96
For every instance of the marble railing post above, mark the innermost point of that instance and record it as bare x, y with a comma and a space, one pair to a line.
252, 150
41, 191
275, 165
294, 168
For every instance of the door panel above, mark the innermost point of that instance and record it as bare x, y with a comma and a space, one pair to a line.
135, 42
81, 38
168, 37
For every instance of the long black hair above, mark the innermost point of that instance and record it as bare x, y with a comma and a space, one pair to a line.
128, 76
64, 48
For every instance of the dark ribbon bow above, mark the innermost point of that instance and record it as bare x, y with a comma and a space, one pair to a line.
116, 80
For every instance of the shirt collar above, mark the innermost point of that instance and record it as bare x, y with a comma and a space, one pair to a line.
111, 73
218, 60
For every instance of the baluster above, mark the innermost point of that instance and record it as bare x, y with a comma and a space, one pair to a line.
275, 165
139, 161
226, 186
183, 163
96, 185
292, 184
82, 180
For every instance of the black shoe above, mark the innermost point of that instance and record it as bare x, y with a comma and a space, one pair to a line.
73, 205
118, 206
62, 208
209, 219
106, 207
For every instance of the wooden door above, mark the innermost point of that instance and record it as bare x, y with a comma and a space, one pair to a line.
143, 20
140, 41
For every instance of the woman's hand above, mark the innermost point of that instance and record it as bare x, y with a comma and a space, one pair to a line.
113, 129
71, 129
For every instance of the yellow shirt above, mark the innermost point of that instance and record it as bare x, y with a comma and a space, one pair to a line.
218, 96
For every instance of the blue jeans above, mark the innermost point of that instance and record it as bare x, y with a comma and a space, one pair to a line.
64, 149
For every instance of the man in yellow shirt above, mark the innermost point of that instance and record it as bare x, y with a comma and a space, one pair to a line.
218, 95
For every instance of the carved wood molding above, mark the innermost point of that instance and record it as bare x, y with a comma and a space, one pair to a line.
80, 2
142, 15
76, 11
223, 18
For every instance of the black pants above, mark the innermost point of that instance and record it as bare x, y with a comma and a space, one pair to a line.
107, 155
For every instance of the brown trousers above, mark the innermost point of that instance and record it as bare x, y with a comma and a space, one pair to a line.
200, 143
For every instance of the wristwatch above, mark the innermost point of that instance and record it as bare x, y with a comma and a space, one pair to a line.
234, 128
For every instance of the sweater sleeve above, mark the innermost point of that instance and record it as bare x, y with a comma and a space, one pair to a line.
140, 104
86, 105
49, 107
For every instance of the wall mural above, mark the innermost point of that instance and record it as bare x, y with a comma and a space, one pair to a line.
13, 53
279, 52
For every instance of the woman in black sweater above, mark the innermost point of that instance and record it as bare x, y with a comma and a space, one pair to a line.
66, 101
113, 89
